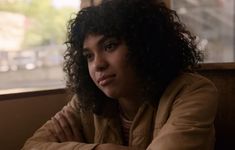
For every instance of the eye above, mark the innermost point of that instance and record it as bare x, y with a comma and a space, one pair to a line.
88, 55
109, 46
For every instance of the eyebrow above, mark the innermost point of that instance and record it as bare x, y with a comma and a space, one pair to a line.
85, 50
100, 42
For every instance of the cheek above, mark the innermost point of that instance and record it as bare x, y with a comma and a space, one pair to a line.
91, 73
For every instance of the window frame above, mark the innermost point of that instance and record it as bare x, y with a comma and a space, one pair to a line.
28, 93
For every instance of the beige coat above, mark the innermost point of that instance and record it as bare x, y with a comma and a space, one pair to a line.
183, 120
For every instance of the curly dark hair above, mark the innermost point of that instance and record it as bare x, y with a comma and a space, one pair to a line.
159, 46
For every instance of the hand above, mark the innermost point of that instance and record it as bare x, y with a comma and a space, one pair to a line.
110, 146
64, 126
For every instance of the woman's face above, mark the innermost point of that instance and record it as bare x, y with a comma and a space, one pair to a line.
108, 66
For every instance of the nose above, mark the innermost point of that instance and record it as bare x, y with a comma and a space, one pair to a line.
100, 63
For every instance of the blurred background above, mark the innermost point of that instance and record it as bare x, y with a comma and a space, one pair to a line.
32, 35
213, 23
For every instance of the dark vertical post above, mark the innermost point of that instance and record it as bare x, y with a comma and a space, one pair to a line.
233, 31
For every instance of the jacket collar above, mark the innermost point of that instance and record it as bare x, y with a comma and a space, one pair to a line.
140, 132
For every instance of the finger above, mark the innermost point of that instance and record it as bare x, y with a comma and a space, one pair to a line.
65, 126
59, 133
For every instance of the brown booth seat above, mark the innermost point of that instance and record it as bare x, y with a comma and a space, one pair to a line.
225, 119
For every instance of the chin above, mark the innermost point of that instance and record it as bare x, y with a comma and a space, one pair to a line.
111, 94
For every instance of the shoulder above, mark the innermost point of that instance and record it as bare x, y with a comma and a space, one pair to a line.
190, 86
187, 82
194, 87
187, 91
186, 110
189, 96
192, 78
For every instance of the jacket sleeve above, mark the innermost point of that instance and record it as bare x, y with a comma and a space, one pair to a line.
44, 140
190, 125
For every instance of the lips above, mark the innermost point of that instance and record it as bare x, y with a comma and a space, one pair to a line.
106, 79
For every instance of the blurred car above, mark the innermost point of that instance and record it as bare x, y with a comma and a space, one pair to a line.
24, 60
4, 66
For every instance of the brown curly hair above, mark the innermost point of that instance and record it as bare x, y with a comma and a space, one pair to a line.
159, 46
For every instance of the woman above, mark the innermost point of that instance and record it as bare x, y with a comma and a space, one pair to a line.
130, 65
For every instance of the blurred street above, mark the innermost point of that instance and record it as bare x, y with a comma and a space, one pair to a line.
39, 78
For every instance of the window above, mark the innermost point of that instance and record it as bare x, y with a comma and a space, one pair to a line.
212, 21
32, 33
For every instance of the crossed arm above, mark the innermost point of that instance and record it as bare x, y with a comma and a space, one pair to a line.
64, 128
188, 127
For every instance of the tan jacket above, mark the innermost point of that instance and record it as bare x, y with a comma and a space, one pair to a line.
183, 120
